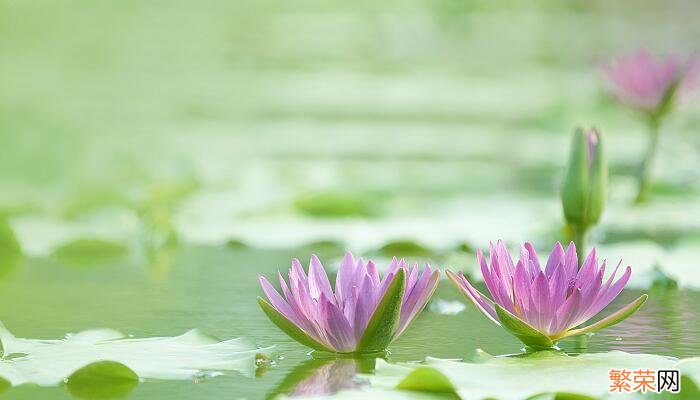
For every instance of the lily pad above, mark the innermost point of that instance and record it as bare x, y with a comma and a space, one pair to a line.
104, 354
8, 242
529, 375
40, 236
102, 380
404, 248
426, 379
336, 204
88, 251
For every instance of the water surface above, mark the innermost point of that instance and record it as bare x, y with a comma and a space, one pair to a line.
215, 289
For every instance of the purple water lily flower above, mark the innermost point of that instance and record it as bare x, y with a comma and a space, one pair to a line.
365, 313
541, 306
640, 81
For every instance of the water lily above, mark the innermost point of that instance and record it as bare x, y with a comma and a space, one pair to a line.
364, 313
649, 85
541, 306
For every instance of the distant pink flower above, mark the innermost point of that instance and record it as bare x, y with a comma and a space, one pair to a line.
541, 306
364, 314
642, 82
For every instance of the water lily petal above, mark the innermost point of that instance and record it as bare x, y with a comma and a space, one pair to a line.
482, 303
277, 301
555, 260
345, 278
318, 280
610, 294
365, 306
421, 300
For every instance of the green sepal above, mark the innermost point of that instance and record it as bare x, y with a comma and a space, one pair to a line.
598, 184
611, 319
575, 185
666, 102
290, 328
523, 331
383, 324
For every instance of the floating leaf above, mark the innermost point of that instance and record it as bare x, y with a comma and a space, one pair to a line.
90, 251
41, 236
336, 204
102, 380
426, 379
9, 246
405, 248
190, 355
515, 378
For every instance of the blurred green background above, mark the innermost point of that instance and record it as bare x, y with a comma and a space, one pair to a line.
157, 155
438, 123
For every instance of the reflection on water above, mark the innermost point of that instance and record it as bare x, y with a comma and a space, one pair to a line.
324, 376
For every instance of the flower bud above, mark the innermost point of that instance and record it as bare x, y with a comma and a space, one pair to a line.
586, 181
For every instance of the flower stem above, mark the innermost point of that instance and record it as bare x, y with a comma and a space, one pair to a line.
645, 168
580, 240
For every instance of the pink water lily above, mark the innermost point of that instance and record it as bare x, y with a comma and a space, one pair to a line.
642, 82
365, 313
542, 305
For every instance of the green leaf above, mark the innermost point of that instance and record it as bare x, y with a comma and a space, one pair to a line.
561, 396
290, 328
427, 379
9, 246
539, 375
611, 319
184, 357
102, 380
666, 102
90, 251
405, 248
382, 326
337, 204
522, 330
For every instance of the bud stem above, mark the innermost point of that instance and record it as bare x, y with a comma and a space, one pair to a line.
580, 240
645, 167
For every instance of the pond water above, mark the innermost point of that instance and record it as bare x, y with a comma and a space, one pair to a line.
214, 289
